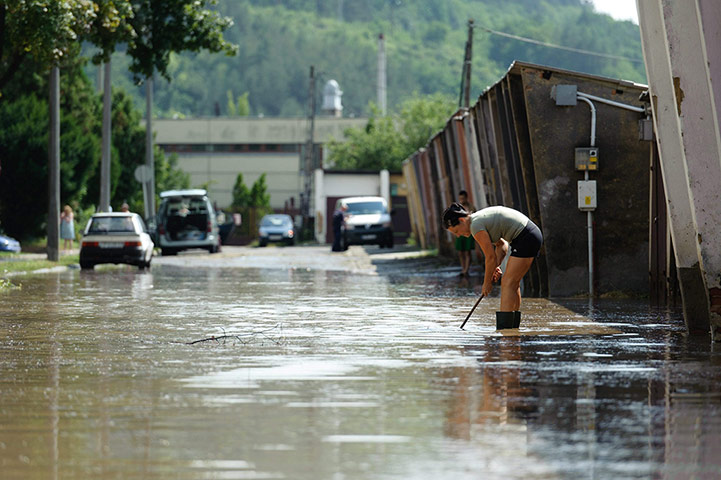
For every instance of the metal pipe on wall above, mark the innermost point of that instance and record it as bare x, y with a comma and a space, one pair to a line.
589, 214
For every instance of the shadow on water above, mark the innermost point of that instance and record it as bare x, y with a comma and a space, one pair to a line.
342, 375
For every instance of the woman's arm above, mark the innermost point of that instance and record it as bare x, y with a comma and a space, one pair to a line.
501, 252
489, 252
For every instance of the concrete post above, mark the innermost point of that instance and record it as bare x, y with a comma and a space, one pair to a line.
688, 54
385, 186
149, 156
321, 214
666, 100
53, 228
104, 202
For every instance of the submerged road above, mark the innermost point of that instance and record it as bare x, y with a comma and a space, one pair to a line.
298, 363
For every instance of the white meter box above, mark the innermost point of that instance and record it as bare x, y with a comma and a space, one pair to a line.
587, 199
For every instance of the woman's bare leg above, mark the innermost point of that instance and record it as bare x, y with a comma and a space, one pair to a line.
516, 268
465, 261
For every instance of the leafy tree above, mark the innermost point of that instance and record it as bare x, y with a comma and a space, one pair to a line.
243, 105
127, 153
251, 204
161, 28
241, 194
24, 154
40, 31
386, 141
241, 108
24, 150
232, 108
259, 196
168, 176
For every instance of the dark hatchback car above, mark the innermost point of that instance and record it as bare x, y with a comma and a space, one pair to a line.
116, 238
276, 228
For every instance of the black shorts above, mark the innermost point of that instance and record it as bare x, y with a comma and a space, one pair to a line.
528, 243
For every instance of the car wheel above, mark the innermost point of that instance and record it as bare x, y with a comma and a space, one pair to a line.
86, 265
262, 243
166, 252
390, 242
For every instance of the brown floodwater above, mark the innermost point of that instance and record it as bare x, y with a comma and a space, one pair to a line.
328, 372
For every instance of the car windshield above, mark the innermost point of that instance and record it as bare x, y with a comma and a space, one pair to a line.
274, 221
358, 208
100, 225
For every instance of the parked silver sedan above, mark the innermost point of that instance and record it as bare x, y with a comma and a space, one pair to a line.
117, 237
276, 228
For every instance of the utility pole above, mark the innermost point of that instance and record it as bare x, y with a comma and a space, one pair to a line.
149, 156
308, 163
469, 56
465, 96
105, 158
53, 228
382, 97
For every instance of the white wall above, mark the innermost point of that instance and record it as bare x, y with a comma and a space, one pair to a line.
342, 185
220, 171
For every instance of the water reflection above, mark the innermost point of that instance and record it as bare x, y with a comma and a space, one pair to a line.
370, 378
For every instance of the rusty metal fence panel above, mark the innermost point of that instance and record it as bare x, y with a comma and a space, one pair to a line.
515, 147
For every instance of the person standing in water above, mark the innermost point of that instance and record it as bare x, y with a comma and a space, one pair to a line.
338, 216
464, 245
499, 230
67, 227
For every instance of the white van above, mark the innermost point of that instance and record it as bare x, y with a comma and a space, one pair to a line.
186, 220
367, 222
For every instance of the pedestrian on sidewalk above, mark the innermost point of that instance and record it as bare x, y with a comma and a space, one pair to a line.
499, 230
67, 227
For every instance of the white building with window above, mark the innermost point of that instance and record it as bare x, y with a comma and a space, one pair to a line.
215, 150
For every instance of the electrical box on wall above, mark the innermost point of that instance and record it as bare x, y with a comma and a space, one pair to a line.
587, 195
587, 158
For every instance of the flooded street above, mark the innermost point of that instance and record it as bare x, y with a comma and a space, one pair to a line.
341, 366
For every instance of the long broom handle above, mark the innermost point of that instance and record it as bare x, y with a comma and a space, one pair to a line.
471, 312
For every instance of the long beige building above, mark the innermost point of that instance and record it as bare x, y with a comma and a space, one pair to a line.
215, 150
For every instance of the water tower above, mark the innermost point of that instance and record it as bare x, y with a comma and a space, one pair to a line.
331, 99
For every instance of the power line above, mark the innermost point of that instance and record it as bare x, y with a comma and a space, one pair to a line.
560, 47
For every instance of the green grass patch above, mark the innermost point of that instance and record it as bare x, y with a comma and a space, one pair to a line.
6, 285
16, 263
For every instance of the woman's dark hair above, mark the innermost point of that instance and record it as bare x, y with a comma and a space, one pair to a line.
452, 214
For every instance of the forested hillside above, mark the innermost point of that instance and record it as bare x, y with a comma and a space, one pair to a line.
425, 39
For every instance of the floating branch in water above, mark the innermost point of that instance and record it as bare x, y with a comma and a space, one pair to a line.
241, 337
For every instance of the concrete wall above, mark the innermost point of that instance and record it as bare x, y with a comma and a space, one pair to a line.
219, 171
249, 130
